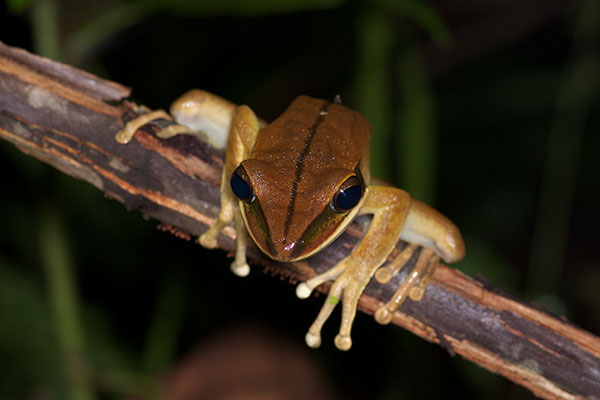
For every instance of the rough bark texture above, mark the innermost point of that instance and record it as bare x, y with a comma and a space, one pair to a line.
68, 118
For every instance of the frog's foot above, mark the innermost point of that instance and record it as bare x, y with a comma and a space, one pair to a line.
240, 266
173, 130
125, 135
385, 273
304, 289
209, 238
347, 287
241, 270
413, 286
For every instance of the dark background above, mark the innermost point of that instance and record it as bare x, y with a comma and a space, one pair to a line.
487, 110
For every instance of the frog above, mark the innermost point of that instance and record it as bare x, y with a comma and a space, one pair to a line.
294, 185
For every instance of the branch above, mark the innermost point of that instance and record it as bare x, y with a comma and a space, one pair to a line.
68, 118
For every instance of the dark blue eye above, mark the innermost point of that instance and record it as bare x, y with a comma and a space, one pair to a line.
240, 186
347, 196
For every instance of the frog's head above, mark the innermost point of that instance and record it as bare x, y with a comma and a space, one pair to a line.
291, 217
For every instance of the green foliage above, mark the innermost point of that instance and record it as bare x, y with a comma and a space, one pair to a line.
59, 275
17, 6
423, 15
416, 123
239, 7
373, 90
28, 342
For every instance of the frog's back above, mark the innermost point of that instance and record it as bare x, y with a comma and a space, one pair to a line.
314, 136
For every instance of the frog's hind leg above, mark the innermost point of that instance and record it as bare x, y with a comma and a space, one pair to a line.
389, 207
125, 135
413, 285
439, 237
202, 114
172, 130
387, 272
219, 122
196, 112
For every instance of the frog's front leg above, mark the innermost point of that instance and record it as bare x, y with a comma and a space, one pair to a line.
219, 122
439, 237
125, 135
395, 216
244, 129
201, 111
389, 207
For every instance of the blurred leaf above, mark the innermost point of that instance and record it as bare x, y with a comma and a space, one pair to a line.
423, 15
129, 384
162, 338
240, 7
45, 27
114, 19
373, 87
17, 6
27, 341
576, 96
56, 257
417, 143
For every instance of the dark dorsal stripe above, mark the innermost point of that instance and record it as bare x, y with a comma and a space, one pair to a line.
300, 166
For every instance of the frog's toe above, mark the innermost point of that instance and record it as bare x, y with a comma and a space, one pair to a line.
343, 342
416, 293
383, 316
172, 130
384, 275
303, 290
313, 340
241, 270
207, 240
124, 136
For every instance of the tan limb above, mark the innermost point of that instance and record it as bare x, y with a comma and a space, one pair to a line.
240, 266
196, 112
389, 207
238, 125
125, 135
426, 226
244, 129
385, 273
304, 289
441, 238
205, 115
410, 286
172, 130
417, 291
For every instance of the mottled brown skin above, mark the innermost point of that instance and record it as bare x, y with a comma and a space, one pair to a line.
297, 164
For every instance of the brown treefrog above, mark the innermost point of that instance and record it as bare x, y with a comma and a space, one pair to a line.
294, 185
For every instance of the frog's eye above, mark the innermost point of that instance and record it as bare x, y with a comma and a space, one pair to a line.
240, 185
347, 196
